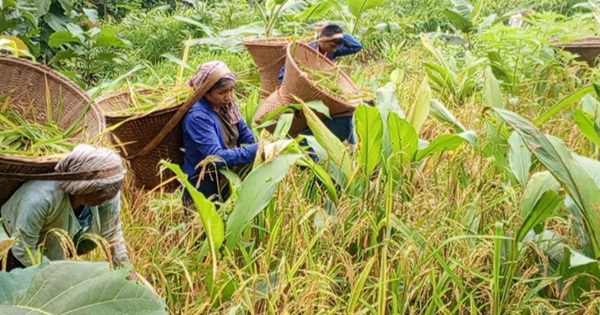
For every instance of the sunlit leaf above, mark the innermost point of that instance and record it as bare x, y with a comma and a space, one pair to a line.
369, 128
519, 158
420, 109
255, 193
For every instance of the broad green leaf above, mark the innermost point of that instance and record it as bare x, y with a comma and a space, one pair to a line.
402, 136
315, 10
108, 38
255, 193
56, 22
284, 123
439, 144
579, 274
591, 105
387, 101
322, 175
42, 6
61, 38
463, 8
553, 154
492, 96
16, 280
205, 28
420, 109
587, 126
439, 111
92, 14
80, 288
67, 5
357, 7
64, 54
319, 106
458, 21
337, 152
176, 60
569, 99
519, 158
476, 11
211, 221
544, 207
536, 186
369, 128
591, 166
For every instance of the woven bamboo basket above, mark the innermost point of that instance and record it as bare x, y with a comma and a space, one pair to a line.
135, 132
269, 56
27, 83
587, 48
297, 85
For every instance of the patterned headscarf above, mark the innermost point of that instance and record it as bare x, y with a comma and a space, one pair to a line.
89, 158
202, 74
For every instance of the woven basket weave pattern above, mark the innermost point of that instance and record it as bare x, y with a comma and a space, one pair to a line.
297, 84
28, 84
269, 56
588, 48
134, 132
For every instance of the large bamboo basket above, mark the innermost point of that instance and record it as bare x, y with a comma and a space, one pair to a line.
134, 132
297, 85
28, 84
588, 48
269, 56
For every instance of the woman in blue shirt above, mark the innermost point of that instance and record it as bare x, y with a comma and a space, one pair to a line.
214, 127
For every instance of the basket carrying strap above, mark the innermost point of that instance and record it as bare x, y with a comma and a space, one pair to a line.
88, 175
210, 81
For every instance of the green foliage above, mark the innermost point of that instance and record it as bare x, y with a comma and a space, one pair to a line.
75, 288
255, 193
211, 221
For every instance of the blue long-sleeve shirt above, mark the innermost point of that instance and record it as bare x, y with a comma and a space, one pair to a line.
348, 47
202, 136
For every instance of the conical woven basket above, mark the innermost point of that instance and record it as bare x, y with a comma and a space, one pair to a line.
588, 48
28, 84
269, 56
134, 132
296, 84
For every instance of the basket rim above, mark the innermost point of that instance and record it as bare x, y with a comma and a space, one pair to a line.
266, 41
589, 41
64, 81
48, 160
38, 67
322, 57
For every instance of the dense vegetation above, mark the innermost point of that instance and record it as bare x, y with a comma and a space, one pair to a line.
473, 189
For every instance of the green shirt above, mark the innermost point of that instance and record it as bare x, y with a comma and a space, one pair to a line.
38, 207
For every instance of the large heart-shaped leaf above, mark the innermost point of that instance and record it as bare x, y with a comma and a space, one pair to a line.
79, 288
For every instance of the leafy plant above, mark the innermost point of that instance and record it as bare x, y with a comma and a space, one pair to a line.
75, 288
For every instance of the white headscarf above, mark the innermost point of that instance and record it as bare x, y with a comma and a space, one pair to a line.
86, 158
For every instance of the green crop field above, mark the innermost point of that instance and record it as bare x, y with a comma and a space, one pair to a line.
474, 186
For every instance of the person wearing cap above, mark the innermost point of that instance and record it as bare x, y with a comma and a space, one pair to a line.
39, 208
214, 127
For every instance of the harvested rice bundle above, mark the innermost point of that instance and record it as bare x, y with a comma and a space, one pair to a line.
328, 81
143, 98
19, 137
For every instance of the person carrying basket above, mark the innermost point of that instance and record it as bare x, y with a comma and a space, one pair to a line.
39, 208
